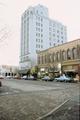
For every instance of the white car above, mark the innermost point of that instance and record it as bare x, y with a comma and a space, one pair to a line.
46, 78
24, 77
63, 78
31, 77
8, 77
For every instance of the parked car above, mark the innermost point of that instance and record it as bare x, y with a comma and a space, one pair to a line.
31, 78
47, 78
17, 77
1, 77
8, 77
63, 78
24, 77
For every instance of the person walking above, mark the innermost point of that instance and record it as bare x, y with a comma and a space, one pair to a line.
79, 72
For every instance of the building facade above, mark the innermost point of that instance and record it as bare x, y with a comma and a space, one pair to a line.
38, 32
7, 70
65, 56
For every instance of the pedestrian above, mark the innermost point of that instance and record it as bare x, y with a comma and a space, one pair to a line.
79, 72
0, 84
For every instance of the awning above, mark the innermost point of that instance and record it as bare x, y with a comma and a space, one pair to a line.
70, 70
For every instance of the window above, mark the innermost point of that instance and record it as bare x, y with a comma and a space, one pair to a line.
31, 12
37, 11
41, 30
61, 28
50, 23
57, 56
41, 46
38, 24
41, 25
53, 34
36, 40
53, 30
74, 53
57, 36
36, 34
38, 29
68, 54
41, 12
63, 55
27, 19
50, 28
41, 41
62, 33
41, 35
38, 18
50, 44
49, 33
62, 37
41, 19
57, 31
54, 58
37, 46
27, 12
53, 25
58, 41
51, 58
50, 38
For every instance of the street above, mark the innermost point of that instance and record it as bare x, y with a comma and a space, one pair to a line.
32, 100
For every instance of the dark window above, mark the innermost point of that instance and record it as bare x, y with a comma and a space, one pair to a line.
74, 53
68, 54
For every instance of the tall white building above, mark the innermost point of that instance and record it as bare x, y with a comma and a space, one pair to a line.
38, 32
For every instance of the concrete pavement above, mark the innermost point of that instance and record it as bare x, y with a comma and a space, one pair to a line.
30, 103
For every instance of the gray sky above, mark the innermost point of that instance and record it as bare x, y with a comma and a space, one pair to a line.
65, 11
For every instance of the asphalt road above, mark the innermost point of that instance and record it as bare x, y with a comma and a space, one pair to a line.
28, 85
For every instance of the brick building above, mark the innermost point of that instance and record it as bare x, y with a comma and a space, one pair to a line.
65, 57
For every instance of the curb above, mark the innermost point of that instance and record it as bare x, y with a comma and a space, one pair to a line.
52, 111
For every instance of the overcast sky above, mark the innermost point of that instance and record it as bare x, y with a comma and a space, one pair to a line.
65, 11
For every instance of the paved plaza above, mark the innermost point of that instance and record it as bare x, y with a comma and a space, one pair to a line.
34, 100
